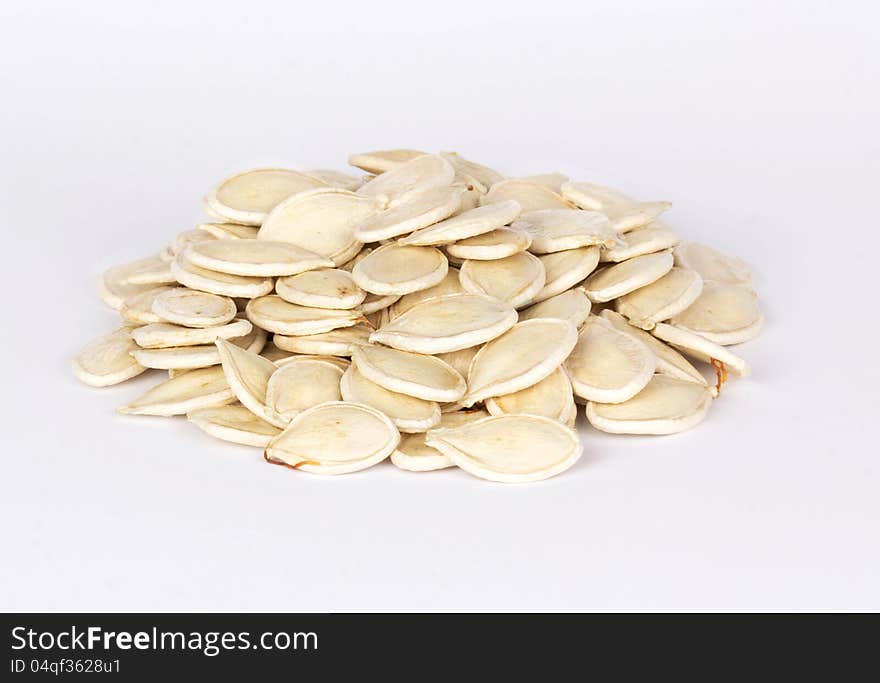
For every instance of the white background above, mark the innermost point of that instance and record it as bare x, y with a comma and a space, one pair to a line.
758, 119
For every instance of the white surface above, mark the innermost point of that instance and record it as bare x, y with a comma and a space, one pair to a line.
759, 121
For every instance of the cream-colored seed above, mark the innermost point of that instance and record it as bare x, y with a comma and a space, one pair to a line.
436, 298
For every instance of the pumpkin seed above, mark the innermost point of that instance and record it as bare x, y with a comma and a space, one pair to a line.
607, 365
107, 360
334, 438
447, 323
509, 448
666, 405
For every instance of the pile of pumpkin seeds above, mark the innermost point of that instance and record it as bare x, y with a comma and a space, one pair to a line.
432, 311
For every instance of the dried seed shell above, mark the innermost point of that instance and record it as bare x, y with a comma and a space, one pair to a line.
321, 221
553, 230
339, 342
202, 388
221, 284
413, 374
724, 314
166, 335
665, 406
509, 448
192, 308
301, 384
488, 246
614, 281
274, 314
409, 414
396, 270
472, 223
447, 323
515, 280
414, 455
662, 299
334, 438
530, 196
325, 288
607, 365
564, 269
519, 358
107, 360
417, 212
248, 197
233, 423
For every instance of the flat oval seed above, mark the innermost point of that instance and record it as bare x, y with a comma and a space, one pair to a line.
648, 240
530, 196
221, 284
553, 230
249, 196
107, 360
409, 414
166, 335
712, 265
724, 314
607, 365
593, 197
515, 280
334, 438
414, 455
115, 286
551, 397
138, 309
668, 360
622, 278
401, 183
254, 258
447, 323
192, 308
665, 406
521, 357
573, 306
178, 395
156, 273
417, 212
413, 374
325, 288
248, 376
488, 246
564, 269
339, 342
301, 384
509, 448
191, 357
662, 299
321, 221
233, 423
470, 223
626, 217
274, 314
697, 346
383, 160
396, 270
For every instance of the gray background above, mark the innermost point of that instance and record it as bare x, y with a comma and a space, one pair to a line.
759, 120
